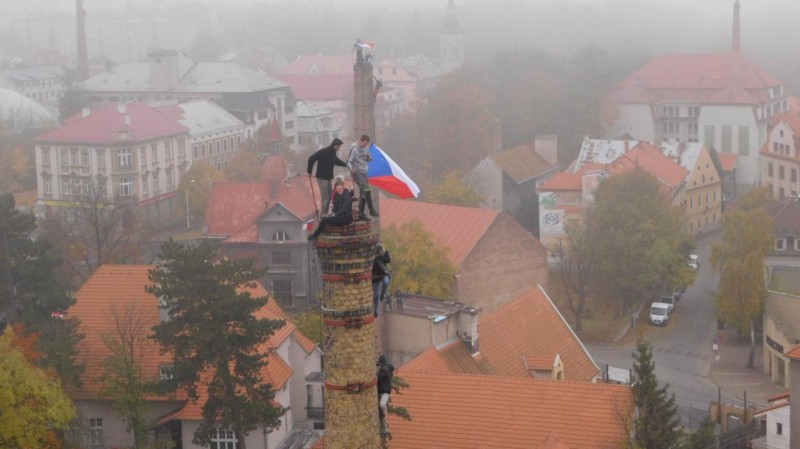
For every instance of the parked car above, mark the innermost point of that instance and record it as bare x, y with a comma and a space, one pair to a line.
679, 291
694, 261
659, 314
669, 301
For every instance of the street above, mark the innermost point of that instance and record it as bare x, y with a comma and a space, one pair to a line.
682, 350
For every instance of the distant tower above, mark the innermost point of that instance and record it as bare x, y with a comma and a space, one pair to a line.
451, 39
83, 54
736, 46
363, 96
346, 255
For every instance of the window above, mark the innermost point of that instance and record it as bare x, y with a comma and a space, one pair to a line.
797, 244
769, 169
280, 236
289, 108
710, 132
780, 244
290, 124
165, 372
281, 257
203, 149
156, 185
85, 158
66, 187
216, 147
779, 428
232, 147
101, 160
143, 157
224, 144
691, 202
145, 183
262, 115
63, 156
181, 148
102, 190
194, 152
727, 138
96, 432
170, 179
223, 439
125, 187
793, 175
45, 157
744, 140
706, 199
75, 160
124, 158
282, 290
168, 151
780, 172
48, 186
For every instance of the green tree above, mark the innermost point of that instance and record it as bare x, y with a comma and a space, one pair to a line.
453, 190
419, 264
656, 425
123, 378
30, 290
244, 167
702, 437
196, 183
577, 263
215, 338
32, 405
739, 259
638, 236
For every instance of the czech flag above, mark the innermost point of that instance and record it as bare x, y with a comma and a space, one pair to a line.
385, 174
361, 44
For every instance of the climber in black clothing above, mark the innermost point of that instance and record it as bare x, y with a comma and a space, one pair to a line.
342, 214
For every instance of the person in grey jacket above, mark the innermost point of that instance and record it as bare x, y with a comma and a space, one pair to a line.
357, 163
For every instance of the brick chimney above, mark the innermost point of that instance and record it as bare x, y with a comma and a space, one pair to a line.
736, 46
346, 255
364, 110
83, 54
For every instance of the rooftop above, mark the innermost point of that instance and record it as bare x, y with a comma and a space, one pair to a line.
202, 117
522, 163
784, 309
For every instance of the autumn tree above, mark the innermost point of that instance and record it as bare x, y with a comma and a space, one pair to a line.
196, 183
419, 265
454, 191
309, 324
17, 171
96, 231
33, 406
577, 262
739, 259
657, 420
244, 167
124, 379
31, 292
637, 235
216, 339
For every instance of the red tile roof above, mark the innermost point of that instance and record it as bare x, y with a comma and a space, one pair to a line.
457, 411
275, 168
704, 78
457, 228
104, 125
728, 161
794, 353
531, 326
451, 358
785, 216
320, 87
563, 181
653, 161
553, 442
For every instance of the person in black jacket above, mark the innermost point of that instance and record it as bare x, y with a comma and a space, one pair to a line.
342, 214
325, 158
385, 375
380, 277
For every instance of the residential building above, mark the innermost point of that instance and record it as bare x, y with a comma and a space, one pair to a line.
702, 193
781, 330
115, 296
496, 258
785, 216
215, 134
780, 157
130, 155
41, 83
253, 97
19, 113
775, 423
720, 99
509, 180
317, 126
266, 220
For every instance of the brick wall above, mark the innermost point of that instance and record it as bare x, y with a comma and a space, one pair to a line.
507, 262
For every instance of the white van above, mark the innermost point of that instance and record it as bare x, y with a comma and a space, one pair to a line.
659, 313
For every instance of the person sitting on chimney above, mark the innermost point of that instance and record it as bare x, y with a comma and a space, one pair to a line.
342, 214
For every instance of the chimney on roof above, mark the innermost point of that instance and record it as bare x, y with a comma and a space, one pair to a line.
121, 108
83, 54
127, 120
737, 43
85, 112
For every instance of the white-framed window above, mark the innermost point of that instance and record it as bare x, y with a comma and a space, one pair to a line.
195, 154
154, 151
168, 150
181, 148
165, 372
282, 291
145, 184
63, 156
125, 187
223, 439
143, 157
85, 158
45, 156
124, 158
96, 432
66, 186
780, 244
156, 186
797, 244
48, 186
280, 236
74, 156
170, 179
101, 160
102, 188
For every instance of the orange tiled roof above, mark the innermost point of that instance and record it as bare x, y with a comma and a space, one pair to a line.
457, 411
653, 161
563, 181
457, 228
531, 326
780, 396
540, 362
794, 353
728, 161
451, 358
553, 442
275, 168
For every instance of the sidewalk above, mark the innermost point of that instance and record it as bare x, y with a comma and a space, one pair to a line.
729, 369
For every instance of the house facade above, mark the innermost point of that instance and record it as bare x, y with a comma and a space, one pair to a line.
785, 216
130, 155
317, 126
41, 83
780, 157
115, 296
775, 422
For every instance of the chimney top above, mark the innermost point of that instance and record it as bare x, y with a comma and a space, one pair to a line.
736, 46
86, 112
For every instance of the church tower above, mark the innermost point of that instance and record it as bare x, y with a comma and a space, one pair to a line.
451, 40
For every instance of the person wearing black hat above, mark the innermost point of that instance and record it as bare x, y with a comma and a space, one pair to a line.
325, 159
342, 209
385, 375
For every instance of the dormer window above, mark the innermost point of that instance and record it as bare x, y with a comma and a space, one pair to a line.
280, 236
780, 244
165, 372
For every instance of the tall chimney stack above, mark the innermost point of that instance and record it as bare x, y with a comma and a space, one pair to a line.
736, 46
83, 54
364, 96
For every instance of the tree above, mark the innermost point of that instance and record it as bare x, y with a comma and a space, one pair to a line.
577, 264
739, 259
701, 438
124, 380
32, 405
419, 265
216, 339
453, 190
637, 235
656, 425
96, 231
17, 172
31, 292
196, 183
244, 167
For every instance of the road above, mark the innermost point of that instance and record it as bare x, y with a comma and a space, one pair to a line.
682, 350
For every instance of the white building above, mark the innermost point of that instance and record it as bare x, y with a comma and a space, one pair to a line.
42, 83
775, 420
317, 126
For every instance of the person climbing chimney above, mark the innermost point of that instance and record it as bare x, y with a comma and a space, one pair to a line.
385, 375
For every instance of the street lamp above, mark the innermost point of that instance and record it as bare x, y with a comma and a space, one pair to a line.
188, 217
